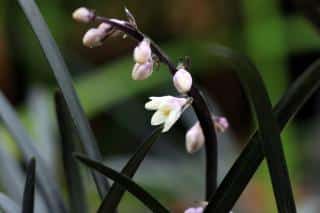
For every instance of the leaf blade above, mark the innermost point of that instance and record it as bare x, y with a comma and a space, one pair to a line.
8, 205
28, 194
126, 182
251, 157
113, 198
72, 171
47, 184
269, 134
64, 81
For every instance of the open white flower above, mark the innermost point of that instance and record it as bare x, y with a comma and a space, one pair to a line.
168, 110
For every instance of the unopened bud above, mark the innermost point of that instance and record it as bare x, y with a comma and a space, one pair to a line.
221, 124
142, 53
194, 138
83, 15
94, 37
142, 71
182, 80
107, 28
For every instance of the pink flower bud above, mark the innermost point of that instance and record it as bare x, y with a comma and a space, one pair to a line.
83, 15
142, 53
221, 124
142, 71
194, 138
94, 37
182, 80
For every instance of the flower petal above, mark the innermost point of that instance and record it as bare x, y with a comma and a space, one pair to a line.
158, 118
171, 119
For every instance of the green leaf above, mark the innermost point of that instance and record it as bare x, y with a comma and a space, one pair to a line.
47, 184
251, 157
127, 183
28, 194
268, 134
64, 81
8, 205
72, 171
113, 198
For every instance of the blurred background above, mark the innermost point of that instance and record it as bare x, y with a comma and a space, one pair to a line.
279, 35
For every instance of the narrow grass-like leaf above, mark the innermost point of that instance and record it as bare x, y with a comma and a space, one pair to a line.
251, 157
47, 184
113, 198
72, 171
269, 134
127, 183
64, 81
28, 194
8, 205
11, 175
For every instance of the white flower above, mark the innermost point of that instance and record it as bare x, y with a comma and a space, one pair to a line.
83, 15
94, 37
142, 53
182, 80
168, 110
194, 138
142, 71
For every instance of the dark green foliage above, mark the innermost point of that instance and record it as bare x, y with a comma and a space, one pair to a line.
126, 182
64, 81
28, 195
72, 172
113, 198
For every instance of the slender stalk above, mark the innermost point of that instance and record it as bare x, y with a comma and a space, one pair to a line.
199, 105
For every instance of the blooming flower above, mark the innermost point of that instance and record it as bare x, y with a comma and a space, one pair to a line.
182, 80
142, 71
168, 110
142, 53
195, 138
83, 15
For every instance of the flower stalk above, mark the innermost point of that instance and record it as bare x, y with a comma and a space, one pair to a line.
199, 105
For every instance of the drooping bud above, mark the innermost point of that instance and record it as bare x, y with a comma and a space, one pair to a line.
194, 138
107, 28
221, 124
142, 53
94, 37
142, 71
83, 15
182, 80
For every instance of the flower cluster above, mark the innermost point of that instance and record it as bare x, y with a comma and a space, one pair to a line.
168, 108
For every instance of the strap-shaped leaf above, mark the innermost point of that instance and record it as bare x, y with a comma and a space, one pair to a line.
125, 182
47, 184
64, 81
72, 171
268, 134
28, 194
8, 205
113, 198
251, 157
